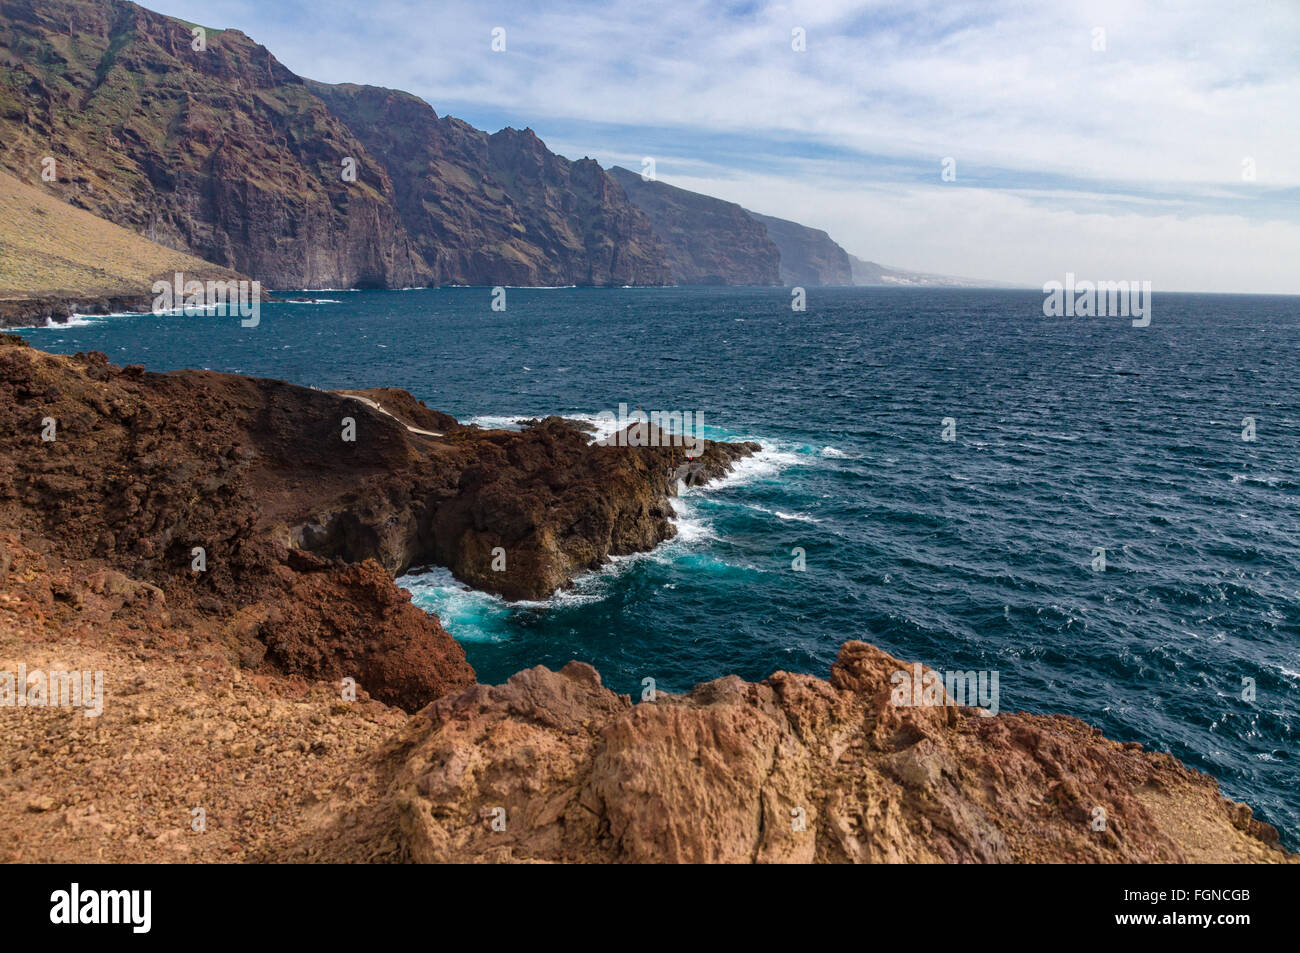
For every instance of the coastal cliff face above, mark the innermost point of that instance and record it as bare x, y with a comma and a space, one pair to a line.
227, 155
711, 242
220, 152
866, 272
808, 255
707, 241
499, 208
223, 153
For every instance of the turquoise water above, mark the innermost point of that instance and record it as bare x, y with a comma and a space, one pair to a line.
1072, 434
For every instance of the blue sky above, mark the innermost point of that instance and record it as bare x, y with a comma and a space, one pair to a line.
1129, 161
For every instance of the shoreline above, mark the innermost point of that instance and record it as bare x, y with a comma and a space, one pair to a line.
55, 310
39, 310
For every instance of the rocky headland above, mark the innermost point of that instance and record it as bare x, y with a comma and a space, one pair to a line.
303, 504
223, 549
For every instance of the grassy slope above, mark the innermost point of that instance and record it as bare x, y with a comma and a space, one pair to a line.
50, 249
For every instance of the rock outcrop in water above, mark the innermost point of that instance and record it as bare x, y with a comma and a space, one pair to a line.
304, 503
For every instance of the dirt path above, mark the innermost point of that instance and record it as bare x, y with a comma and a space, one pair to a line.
377, 406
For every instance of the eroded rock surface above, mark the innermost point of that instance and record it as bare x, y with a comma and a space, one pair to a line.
552, 766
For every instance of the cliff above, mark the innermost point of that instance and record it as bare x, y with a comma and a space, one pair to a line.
553, 767
706, 241
808, 255
502, 208
226, 155
866, 272
222, 152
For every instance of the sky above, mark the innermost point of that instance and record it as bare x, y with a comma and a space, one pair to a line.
1142, 140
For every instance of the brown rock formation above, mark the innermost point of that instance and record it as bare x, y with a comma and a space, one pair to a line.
301, 530
145, 470
795, 769
184, 723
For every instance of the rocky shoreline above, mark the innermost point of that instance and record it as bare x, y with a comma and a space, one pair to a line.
554, 767
37, 311
223, 548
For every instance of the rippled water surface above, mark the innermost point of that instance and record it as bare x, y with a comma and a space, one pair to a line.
1072, 435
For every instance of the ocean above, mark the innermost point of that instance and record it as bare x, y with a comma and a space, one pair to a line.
1066, 501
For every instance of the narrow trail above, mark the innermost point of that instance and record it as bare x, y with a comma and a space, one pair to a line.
376, 405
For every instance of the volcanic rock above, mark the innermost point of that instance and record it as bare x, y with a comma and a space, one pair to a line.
554, 767
259, 503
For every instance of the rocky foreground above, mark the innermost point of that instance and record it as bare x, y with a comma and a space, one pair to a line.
555, 767
227, 732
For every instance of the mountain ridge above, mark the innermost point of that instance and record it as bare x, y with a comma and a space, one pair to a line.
220, 152
223, 153
498, 208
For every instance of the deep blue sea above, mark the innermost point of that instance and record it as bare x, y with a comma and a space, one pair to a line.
977, 553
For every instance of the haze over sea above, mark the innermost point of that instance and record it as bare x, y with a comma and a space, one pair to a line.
1072, 434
